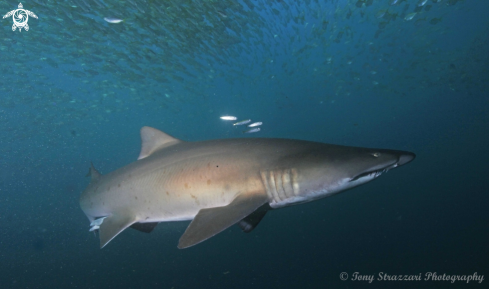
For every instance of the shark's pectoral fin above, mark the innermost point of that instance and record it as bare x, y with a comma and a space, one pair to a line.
252, 220
144, 227
113, 225
211, 221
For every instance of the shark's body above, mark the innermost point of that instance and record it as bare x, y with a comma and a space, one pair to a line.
219, 183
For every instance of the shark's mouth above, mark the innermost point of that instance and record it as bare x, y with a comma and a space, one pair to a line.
373, 174
370, 175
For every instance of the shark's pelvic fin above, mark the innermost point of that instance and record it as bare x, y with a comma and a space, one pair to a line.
144, 227
113, 225
93, 173
252, 220
211, 221
153, 140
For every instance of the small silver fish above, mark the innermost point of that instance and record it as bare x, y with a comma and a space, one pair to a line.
421, 3
410, 16
228, 117
113, 20
252, 130
255, 124
243, 122
97, 222
222, 14
380, 14
93, 228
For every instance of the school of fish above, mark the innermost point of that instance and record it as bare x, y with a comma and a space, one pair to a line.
137, 53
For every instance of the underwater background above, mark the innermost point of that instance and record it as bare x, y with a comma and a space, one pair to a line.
399, 74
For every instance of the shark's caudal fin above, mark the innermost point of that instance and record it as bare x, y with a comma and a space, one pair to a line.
211, 221
153, 140
114, 224
93, 173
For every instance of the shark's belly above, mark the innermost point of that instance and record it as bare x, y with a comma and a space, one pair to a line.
178, 194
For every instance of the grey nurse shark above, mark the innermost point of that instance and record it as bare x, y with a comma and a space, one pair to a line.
219, 183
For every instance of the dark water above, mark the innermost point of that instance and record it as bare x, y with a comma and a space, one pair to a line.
414, 86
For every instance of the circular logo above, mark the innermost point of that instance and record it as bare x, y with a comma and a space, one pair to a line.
344, 276
20, 16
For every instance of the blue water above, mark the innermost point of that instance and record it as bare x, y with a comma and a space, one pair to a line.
416, 86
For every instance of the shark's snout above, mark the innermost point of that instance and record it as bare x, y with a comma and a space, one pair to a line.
383, 161
405, 158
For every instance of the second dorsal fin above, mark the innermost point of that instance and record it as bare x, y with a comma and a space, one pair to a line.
153, 140
93, 173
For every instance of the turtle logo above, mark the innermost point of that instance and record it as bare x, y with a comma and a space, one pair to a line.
20, 17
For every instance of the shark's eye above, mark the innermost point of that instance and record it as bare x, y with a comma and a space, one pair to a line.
376, 155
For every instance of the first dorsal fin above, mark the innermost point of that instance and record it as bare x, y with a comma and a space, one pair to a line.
93, 173
153, 140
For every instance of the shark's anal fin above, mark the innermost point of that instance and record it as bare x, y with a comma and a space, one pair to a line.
153, 140
144, 227
252, 220
211, 221
113, 225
